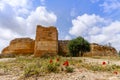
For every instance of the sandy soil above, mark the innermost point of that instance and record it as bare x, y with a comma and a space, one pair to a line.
78, 74
6, 59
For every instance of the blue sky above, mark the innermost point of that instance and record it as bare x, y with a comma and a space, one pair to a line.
97, 21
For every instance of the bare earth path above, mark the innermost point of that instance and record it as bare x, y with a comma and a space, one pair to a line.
78, 74
6, 59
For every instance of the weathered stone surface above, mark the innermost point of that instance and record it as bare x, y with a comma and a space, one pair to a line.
100, 50
46, 41
63, 47
20, 46
96, 49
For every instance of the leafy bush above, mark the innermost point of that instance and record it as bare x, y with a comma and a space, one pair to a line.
78, 45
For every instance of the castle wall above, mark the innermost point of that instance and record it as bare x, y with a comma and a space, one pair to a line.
46, 41
20, 46
96, 49
63, 47
100, 50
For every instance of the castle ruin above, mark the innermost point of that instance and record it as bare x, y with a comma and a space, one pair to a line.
46, 42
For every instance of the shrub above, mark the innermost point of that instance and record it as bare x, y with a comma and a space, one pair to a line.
69, 69
53, 67
31, 69
78, 45
115, 67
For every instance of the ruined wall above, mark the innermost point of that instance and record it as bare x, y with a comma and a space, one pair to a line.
96, 49
100, 50
46, 41
63, 47
20, 46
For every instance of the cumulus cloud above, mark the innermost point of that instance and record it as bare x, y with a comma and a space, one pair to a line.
18, 19
19, 6
40, 16
89, 26
84, 23
6, 36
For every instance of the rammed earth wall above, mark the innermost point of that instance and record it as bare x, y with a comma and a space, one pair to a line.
46, 41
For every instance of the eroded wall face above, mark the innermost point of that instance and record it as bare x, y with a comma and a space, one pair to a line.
46, 41
63, 47
22, 46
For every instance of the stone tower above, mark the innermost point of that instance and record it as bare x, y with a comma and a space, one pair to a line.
46, 41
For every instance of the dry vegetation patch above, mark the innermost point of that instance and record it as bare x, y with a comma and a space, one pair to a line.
27, 68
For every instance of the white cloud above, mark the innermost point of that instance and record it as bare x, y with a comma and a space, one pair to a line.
19, 6
6, 36
16, 3
84, 23
99, 38
110, 5
113, 28
89, 27
94, 30
67, 37
13, 23
40, 16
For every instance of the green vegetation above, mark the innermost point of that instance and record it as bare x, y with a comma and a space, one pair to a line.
99, 67
53, 67
28, 66
31, 69
35, 66
78, 46
69, 69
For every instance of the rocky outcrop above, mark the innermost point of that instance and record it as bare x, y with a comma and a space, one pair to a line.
101, 50
20, 46
46, 41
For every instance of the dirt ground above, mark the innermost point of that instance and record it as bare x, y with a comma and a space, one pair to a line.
78, 74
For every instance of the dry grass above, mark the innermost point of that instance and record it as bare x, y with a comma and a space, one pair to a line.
106, 57
27, 66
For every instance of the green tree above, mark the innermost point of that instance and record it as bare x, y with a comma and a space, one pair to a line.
78, 46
